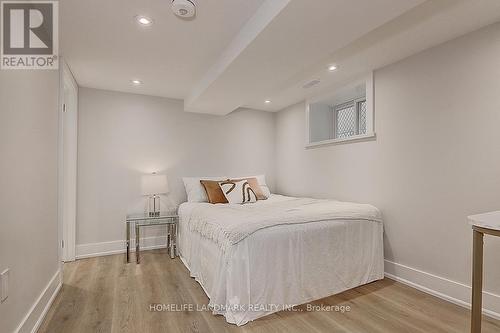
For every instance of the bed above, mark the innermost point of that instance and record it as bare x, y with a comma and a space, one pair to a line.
256, 259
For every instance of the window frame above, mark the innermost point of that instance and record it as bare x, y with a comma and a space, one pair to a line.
370, 115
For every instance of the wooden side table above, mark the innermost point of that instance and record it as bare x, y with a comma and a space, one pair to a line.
489, 224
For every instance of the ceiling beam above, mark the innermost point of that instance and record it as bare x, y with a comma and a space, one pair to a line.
255, 25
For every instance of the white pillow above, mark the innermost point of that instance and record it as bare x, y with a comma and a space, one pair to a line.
238, 192
261, 179
195, 191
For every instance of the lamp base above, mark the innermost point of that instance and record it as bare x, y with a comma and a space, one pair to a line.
155, 211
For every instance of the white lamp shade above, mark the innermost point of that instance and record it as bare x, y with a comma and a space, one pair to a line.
154, 184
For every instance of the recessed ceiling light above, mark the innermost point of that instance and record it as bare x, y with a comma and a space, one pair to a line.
267, 101
136, 82
144, 20
331, 68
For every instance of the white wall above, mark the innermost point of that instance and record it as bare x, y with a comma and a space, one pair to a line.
28, 192
123, 136
435, 161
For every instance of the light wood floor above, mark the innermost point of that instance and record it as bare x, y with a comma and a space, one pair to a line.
106, 295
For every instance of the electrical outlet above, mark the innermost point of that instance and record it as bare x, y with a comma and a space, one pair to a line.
4, 277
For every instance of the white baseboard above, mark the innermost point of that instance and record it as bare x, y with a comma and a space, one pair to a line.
119, 246
451, 291
34, 318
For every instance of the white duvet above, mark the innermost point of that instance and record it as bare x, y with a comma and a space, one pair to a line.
256, 259
227, 225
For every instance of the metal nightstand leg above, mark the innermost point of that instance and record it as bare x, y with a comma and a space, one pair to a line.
173, 240
137, 250
169, 237
128, 242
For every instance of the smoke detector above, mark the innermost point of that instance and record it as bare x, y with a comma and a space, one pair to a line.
183, 8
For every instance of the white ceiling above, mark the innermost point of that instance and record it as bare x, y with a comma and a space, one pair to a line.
239, 53
105, 47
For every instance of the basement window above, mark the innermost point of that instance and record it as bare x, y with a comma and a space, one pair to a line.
350, 118
342, 116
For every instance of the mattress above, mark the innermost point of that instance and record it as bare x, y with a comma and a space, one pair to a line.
280, 266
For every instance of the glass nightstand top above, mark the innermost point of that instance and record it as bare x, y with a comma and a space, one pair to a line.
144, 219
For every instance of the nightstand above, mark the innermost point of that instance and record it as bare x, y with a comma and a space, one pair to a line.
139, 221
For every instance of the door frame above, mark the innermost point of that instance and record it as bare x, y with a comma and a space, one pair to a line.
67, 163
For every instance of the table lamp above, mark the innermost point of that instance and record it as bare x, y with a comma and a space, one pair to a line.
152, 186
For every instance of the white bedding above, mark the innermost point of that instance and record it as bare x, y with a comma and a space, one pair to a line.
256, 259
227, 225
